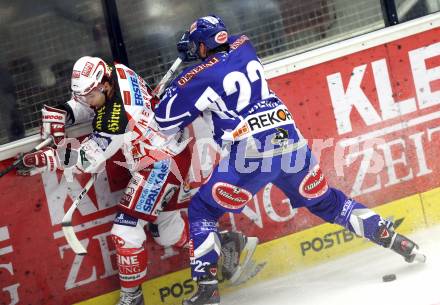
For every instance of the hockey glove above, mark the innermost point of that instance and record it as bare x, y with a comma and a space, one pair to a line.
40, 161
187, 50
54, 122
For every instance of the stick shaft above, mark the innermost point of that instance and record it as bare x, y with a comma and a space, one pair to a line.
66, 223
161, 85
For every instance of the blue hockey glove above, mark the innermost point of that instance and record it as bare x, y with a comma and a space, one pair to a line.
186, 48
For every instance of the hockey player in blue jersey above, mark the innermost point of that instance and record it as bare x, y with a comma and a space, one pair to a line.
229, 89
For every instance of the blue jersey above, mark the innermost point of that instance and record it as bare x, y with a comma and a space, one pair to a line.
231, 90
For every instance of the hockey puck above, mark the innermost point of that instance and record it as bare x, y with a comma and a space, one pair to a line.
389, 277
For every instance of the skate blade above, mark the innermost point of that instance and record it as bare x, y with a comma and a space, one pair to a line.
251, 270
416, 256
245, 257
420, 258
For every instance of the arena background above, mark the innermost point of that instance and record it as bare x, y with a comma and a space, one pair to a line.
362, 79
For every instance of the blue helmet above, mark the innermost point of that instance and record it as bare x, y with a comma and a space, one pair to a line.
210, 30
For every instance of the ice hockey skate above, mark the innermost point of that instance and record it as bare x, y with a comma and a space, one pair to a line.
237, 251
131, 298
407, 248
400, 244
207, 289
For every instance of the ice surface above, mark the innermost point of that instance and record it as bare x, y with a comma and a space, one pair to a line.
356, 280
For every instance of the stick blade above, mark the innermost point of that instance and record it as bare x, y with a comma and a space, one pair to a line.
72, 240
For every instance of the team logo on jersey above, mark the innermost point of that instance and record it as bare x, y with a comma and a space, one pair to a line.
134, 90
271, 119
113, 123
137, 91
260, 122
87, 69
230, 196
221, 37
236, 44
241, 132
109, 120
184, 79
314, 184
153, 186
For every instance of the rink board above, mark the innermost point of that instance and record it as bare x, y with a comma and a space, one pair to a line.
370, 108
286, 254
431, 205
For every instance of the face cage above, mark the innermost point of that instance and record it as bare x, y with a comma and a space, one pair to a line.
82, 98
193, 49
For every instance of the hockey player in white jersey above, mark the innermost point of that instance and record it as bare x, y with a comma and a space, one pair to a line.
120, 106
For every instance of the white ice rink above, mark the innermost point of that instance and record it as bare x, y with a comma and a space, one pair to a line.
356, 280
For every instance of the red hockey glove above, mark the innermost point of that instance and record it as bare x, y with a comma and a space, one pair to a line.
54, 122
39, 161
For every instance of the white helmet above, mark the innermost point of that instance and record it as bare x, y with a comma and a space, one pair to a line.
87, 74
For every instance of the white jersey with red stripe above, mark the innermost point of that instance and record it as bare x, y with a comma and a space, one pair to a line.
124, 122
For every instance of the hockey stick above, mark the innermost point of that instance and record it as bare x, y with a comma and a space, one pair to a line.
19, 161
66, 224
161, 85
